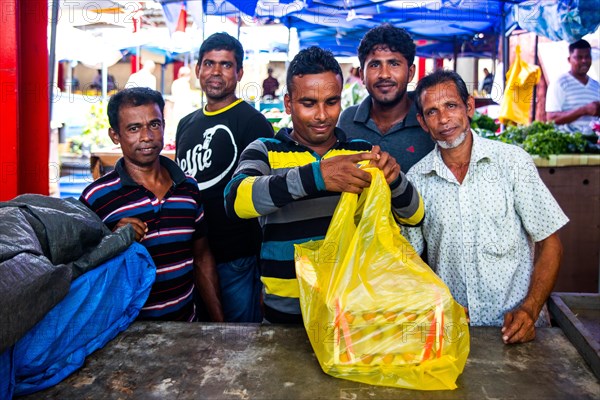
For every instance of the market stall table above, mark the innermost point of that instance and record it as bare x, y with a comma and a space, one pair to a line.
169, 360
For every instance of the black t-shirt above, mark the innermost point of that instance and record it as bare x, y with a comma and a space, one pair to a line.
208, 147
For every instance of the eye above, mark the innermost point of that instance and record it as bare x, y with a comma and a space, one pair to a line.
133, 129
333, 102
228, 65
155, 125
374, 64
207, 63
307, 103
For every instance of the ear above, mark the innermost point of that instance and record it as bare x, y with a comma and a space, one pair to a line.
198, 69
287, 102
240, 74
470, 106
361, 74
114, 136
411, 73
422, 123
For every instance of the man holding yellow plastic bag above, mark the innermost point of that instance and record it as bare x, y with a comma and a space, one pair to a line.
521, 79
293, 182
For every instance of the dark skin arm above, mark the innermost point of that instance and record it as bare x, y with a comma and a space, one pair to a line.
206, 278
518, 324
565, 117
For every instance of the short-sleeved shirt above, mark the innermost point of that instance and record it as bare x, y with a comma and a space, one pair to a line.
173, 223
567, 93
480, 233
406, 141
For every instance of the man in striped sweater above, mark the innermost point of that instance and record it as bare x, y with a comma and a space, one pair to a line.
152, 194
293, 181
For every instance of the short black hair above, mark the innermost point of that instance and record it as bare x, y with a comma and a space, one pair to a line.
396, 39
580, 44
223, 41
435, 78
133, 97
312, 60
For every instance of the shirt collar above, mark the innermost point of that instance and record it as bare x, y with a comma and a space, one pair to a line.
283, 135
363, 113
176, 173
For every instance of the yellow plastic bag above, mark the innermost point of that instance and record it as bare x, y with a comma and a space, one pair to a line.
373, 310
521, 79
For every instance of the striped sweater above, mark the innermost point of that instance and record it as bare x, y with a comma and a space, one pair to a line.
173, 223
280, 181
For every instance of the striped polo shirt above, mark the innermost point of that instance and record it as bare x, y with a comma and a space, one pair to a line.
280, 181
173, 223
567, 93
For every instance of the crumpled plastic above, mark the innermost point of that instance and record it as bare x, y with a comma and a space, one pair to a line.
373, 310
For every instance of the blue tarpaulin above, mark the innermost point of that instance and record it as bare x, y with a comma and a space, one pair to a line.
339, 24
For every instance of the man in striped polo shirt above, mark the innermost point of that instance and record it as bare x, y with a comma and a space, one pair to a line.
152, 194
573, 101
293, 182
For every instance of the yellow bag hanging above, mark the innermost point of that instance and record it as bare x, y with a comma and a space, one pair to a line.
521, 79
373, 310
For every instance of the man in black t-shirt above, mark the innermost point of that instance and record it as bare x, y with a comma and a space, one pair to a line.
209, 142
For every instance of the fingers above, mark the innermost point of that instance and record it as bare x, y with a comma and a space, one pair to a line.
387, 164
140, 228
341, 174
518, 327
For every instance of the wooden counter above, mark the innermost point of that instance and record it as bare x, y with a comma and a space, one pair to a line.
250, 361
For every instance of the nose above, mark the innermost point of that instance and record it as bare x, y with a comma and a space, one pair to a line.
321, 112
385, 71
146, 135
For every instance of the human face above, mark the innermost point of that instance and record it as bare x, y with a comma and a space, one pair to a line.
445, 115
581, 61
386, 75
141, 130
218, 74
315, 105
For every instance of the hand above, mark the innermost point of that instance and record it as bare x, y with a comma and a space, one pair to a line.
341, 173
518, 326
386, 163
592, 108
138, 225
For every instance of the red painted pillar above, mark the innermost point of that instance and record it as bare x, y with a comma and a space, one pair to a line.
9, 57
24, 102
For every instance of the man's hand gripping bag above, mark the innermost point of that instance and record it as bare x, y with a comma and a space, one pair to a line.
373, 310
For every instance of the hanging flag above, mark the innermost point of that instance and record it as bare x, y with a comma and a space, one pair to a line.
182, 21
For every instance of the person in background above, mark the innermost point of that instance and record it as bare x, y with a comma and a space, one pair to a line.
97, 83
293, 182
387, 117
151, 193
208, 144
144, 77
354, 76
270, 85
488, 81
487, 209
573, 101
181, 93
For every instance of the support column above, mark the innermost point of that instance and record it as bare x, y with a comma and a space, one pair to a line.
24, 103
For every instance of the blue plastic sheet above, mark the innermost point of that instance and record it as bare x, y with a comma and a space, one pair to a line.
100, 304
